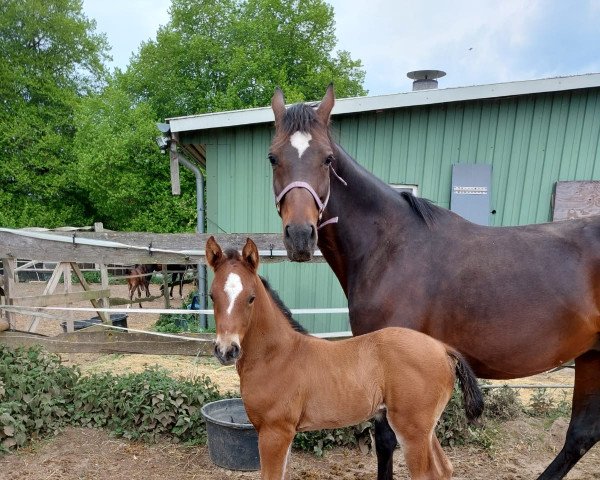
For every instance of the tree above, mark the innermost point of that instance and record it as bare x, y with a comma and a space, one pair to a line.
49, 58
230, 54
126, 179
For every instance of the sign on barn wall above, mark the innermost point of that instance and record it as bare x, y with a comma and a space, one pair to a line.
576, 199
470, 196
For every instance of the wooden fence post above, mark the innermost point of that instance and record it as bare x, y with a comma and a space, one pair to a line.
104, 302
9, 265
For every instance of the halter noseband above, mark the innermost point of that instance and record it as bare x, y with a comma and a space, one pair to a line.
307, 186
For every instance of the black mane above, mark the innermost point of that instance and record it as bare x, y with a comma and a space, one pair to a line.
422, 207
299, 117
286, 311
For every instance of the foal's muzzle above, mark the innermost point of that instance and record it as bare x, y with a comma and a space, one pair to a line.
300, 241
227, 354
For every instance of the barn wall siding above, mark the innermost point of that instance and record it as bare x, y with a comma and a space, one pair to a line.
531, 141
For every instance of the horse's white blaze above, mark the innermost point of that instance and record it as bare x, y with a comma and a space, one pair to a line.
233, 287
300, 141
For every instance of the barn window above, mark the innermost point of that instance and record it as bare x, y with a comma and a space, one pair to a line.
414, 189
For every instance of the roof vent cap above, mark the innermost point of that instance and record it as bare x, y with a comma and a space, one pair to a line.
425, 79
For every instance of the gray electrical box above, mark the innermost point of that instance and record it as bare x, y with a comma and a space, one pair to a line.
471, 192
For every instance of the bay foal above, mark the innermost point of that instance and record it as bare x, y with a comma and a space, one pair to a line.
292, 382
138, 279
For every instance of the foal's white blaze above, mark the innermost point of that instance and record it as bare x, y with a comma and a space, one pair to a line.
300, 141
233, 287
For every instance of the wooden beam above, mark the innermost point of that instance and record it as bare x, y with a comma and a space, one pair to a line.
111, 342
59, 298
16, 246
174, 167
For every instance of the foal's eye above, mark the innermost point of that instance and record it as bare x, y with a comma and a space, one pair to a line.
272, 159
328, 160
251, 299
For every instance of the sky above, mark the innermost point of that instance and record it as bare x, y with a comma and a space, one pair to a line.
474, 41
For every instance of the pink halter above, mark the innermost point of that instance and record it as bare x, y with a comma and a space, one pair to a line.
307, 186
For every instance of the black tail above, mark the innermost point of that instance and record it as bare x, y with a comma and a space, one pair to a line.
472, 396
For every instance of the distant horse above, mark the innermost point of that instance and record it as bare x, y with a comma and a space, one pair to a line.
514, 300
138, 279
177, 275
292, 382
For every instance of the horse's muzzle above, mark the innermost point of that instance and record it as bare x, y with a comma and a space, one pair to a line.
229, 354
300, 241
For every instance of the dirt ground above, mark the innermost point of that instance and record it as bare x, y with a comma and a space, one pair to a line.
521, 450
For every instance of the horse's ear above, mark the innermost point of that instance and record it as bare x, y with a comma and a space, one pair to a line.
278, 106
214, 254
326, 105
250, 255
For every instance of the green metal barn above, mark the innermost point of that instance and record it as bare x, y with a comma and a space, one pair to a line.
496, 149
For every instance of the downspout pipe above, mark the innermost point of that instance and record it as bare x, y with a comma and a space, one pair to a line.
200, 229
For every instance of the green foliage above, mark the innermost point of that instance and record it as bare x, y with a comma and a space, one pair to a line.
318, 441
51, 57
144, 406
38, 396
35, 394
168, 323
544, 404
230, 54
125, 178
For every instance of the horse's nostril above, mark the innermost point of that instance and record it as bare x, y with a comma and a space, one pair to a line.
235, 350
313, 232
287, 231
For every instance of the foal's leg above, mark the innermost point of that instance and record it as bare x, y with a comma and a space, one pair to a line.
274, 445
424, 456
584, 429
385, 443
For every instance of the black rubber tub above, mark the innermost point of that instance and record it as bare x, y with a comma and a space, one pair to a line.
117, 319
232, 440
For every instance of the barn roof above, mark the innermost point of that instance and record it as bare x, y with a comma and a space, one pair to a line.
382, 102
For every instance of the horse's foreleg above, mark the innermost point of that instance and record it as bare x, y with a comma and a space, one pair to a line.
584, 428
274, 446
385, 443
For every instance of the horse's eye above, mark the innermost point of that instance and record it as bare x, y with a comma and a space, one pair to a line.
272, 159
328, 160
251, 299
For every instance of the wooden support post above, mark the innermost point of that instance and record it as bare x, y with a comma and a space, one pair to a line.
166, 285
50, 287
104, 302
68, 289
9, 265
86, 286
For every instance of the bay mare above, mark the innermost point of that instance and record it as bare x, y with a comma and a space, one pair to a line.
293, 382
515, 301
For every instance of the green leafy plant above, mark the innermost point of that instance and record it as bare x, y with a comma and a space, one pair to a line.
144, 406
35, 394
544, 404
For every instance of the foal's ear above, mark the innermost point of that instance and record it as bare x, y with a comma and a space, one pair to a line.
250, 255
214, 254
326, 105
278, 106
